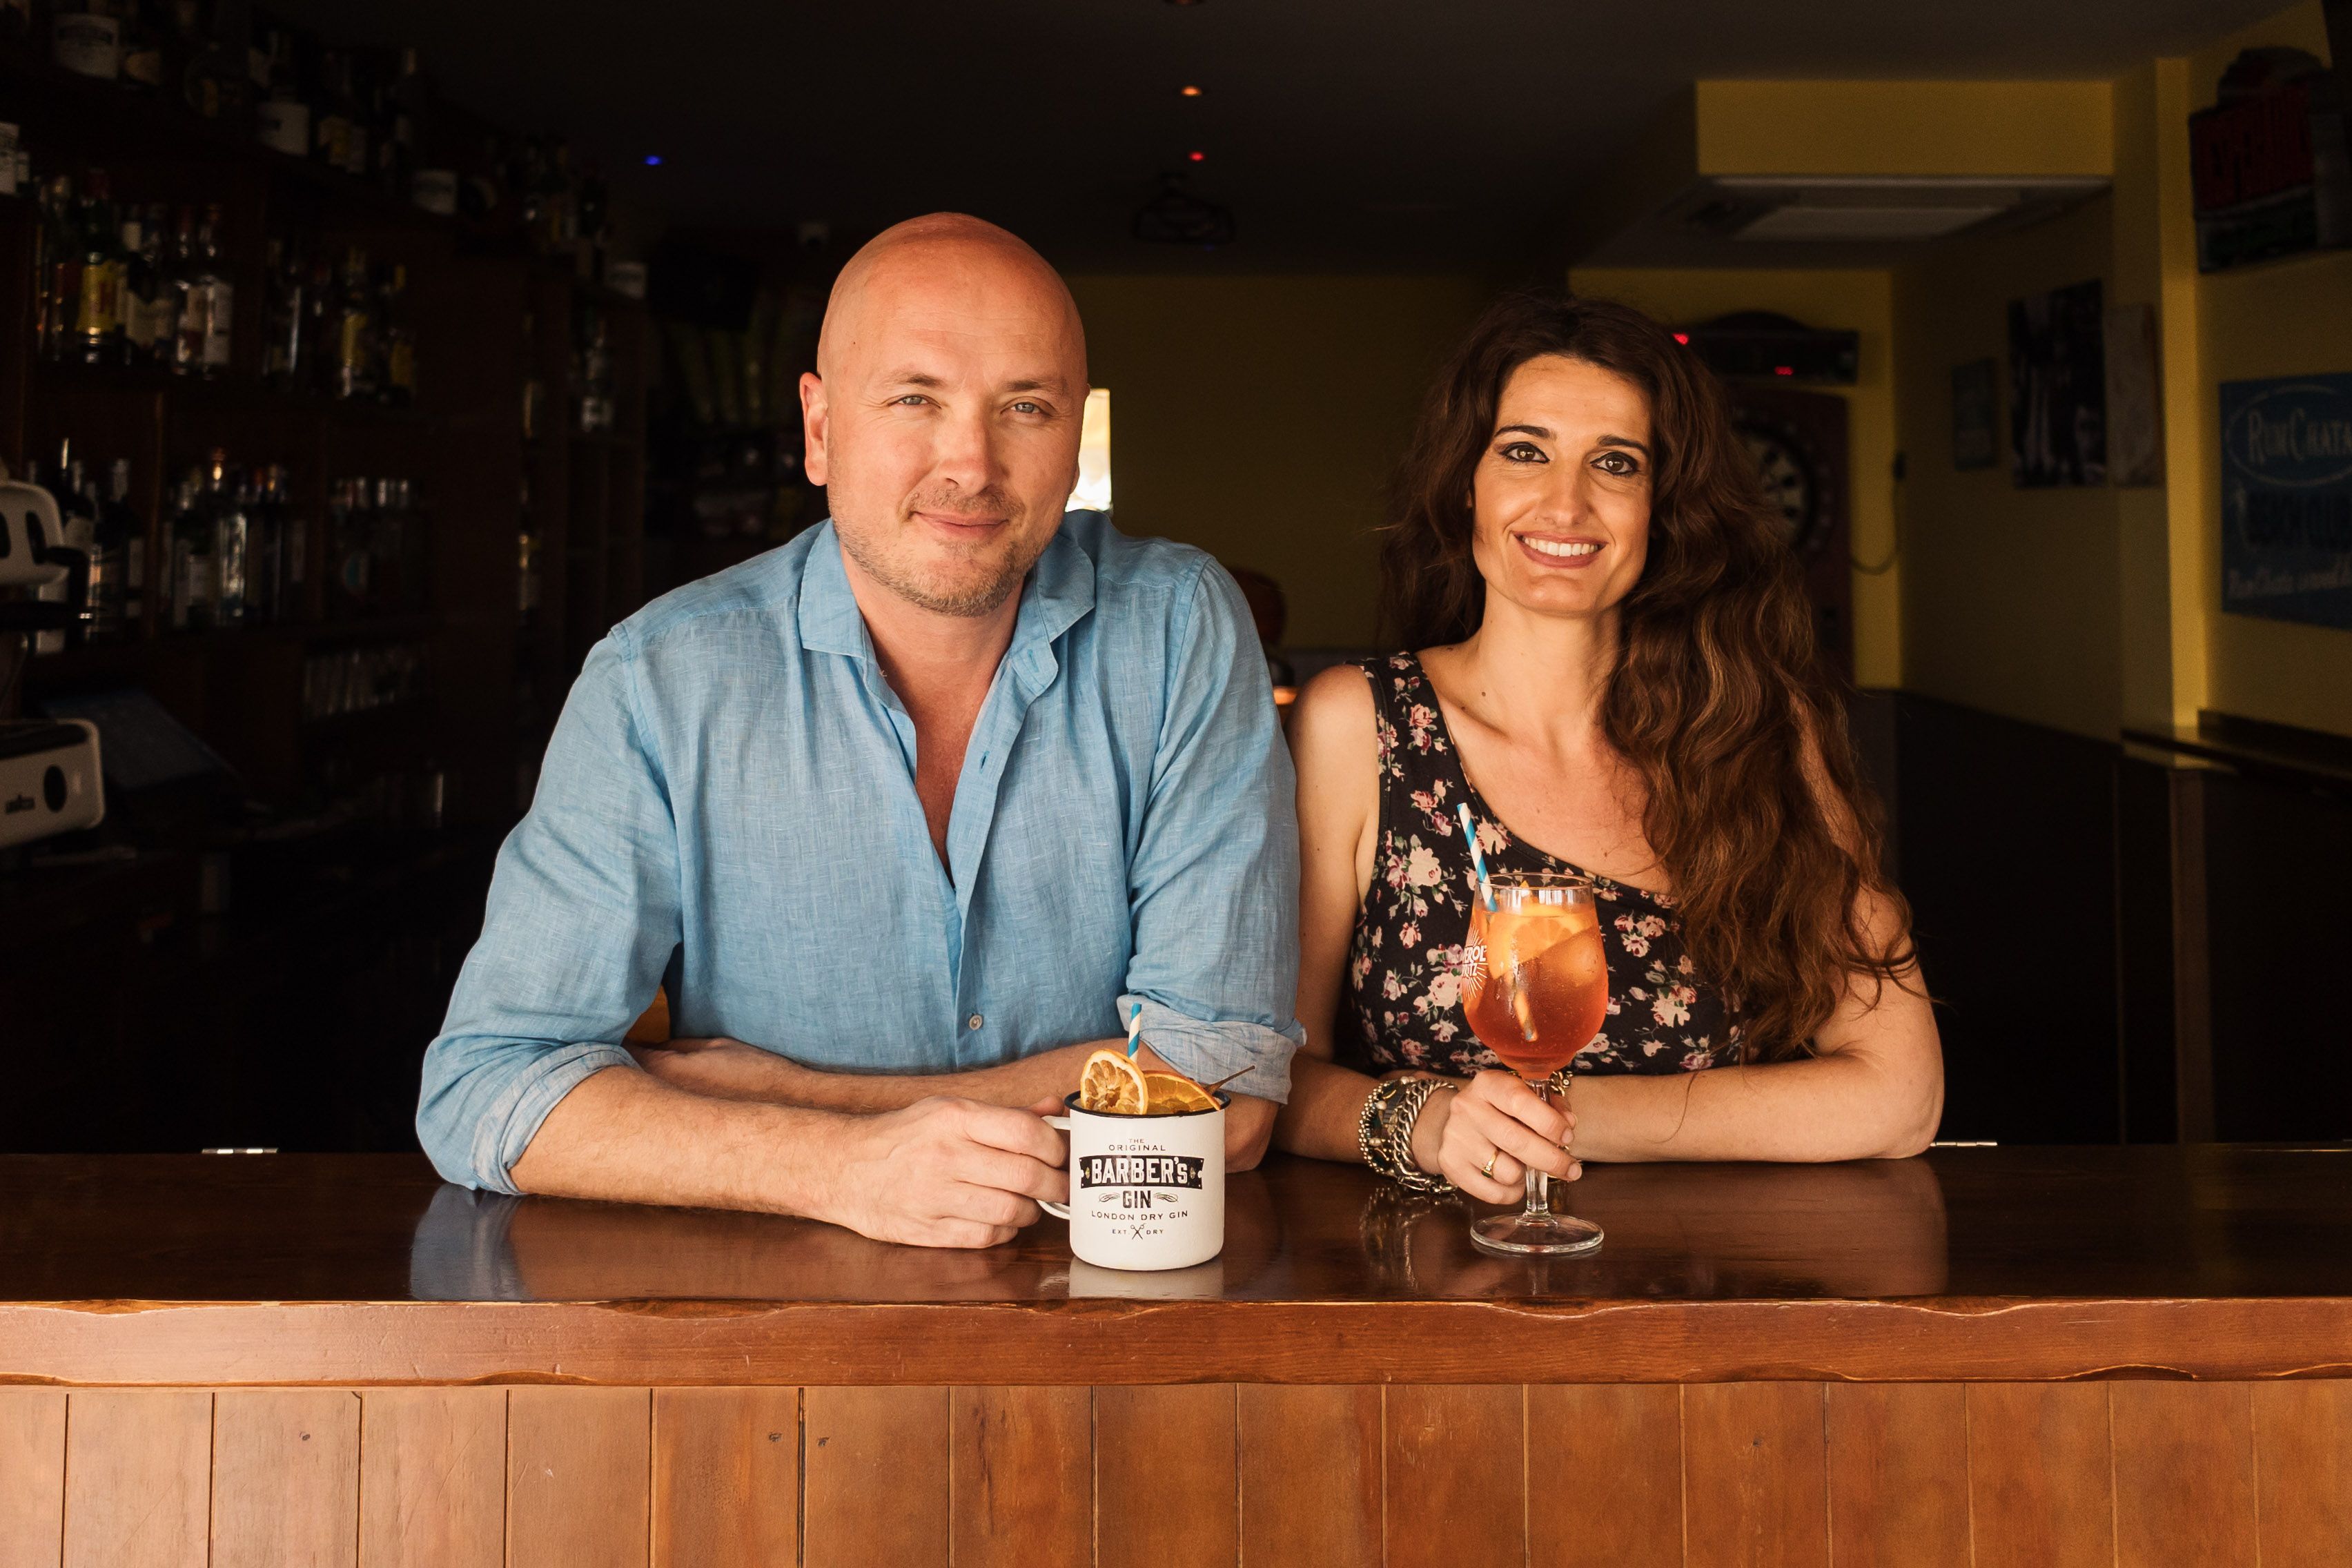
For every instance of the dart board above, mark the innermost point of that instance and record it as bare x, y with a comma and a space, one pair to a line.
1798, 439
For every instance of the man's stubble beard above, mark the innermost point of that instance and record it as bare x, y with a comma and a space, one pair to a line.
979, 599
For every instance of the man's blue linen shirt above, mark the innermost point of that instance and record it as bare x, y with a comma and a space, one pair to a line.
729, 803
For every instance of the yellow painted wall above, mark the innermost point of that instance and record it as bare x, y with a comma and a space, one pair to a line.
1856, 302
2011, 601
2286, 318
1904, 128
1259, 418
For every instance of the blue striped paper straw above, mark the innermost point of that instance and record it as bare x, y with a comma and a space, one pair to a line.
1477, 859
1134, 1029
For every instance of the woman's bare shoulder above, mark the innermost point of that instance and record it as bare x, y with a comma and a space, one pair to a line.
1335, 714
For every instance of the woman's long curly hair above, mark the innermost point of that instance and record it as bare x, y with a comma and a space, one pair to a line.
1717, 690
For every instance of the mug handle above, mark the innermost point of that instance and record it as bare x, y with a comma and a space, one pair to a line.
1059, 1211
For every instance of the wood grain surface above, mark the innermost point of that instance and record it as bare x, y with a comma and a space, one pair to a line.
1021, 1477
286, 1477
31, 1477
1311, 1481
727, 1478
1898, 1469
2041, 1478
1755, 1482
579, 1469
1605, 1474
1166, 1483
1456, 1475
2184, 1459
875, 1477
2303, 1473
138, 1478
433, 1478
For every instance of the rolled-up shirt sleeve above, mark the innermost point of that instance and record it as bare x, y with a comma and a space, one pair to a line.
582, 918
1213, 883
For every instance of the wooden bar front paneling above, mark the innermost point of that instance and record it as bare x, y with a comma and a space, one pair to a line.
1630, 1433
2303, 1473
1311, 1478
138, 1478
727, 1478
1167, 1486
31, 1477
1456, 1475
286, 1477
2041, 1492
579, 1467
1755, 1482
851, 1437
1898, 1462
433, 1478
1021, 1477
2184, 1456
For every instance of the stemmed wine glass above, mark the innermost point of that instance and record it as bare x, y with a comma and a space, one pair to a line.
1537, 990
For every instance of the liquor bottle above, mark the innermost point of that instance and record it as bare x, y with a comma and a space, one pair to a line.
218, 81
281, 344
220, 297
396, 335
109, 559
191, 557
348, 552
595, 225
98, 314
322, 317
78, 528
387, 546
146, 55
355, 347
85, 38
190, 299
282, 119
263, 542
230, 534
401, 130
593, 369
143, 287
293, 546
60, 270
334, 122
120, 528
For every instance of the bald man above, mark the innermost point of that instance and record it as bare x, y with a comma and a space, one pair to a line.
908, 814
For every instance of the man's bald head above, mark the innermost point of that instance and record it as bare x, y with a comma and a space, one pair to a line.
943, 416
941, 253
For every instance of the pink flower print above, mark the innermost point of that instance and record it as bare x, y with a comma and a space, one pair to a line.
1422, 869
1420, 718
1362, 967
1444, 1031
1650, 926
1670, 1008
1393, 873
1694, 1061
1391, 987
1445, 991
1652, 1046
1424, 801
1492, 840
1409, 934
1684, 966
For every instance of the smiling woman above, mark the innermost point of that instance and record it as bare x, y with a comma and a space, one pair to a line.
1612, 676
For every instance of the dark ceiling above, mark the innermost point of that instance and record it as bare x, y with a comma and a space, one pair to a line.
1345, 134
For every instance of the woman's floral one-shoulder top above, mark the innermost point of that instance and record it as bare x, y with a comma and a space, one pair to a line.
1406, 969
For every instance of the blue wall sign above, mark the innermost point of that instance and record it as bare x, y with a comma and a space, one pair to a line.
2286, 498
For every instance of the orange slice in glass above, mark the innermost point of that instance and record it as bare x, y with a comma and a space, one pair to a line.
1168, 1093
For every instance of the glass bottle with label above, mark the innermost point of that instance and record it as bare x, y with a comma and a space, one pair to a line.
191, 299
396, 333
61, 266
263, 541
230, 536
335, 120
146, 47
349, 528
355, 326
402, 128
281, 344
191, 557
282, 119
218, 81
98, 314
220, 297
85, 38
120, 528
141, 284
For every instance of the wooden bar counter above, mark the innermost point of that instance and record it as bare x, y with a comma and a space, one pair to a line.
2030, 1356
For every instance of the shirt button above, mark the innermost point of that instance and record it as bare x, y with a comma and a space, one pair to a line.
974, 1022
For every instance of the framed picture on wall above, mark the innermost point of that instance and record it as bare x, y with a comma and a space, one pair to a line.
2058, 388
1976, 438
2286, 498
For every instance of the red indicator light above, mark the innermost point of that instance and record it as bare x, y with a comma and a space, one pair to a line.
1682, 338
1783, 370
1198, 157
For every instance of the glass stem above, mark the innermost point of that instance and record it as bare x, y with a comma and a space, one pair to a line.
1539, 1183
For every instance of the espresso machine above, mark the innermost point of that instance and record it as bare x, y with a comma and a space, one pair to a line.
49, 777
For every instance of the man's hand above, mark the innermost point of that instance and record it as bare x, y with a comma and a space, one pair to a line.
944, 1173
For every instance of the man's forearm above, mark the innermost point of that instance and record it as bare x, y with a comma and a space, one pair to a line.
621, 1135
1049, 1075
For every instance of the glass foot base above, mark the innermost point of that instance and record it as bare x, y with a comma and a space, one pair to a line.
1521, 1235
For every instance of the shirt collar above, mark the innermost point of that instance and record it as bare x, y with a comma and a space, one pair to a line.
1057, 594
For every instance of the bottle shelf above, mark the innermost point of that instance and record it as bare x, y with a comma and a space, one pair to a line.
237, 394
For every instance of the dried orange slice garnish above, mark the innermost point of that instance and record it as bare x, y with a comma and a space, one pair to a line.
1109, 1084
1168, 1093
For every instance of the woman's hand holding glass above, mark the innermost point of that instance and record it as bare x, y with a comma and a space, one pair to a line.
1485, 1137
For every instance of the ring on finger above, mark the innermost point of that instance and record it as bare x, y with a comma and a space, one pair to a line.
1487, 1170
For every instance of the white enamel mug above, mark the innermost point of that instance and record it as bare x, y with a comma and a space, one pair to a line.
1146, 1192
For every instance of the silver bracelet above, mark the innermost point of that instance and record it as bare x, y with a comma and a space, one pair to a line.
1384, 1131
